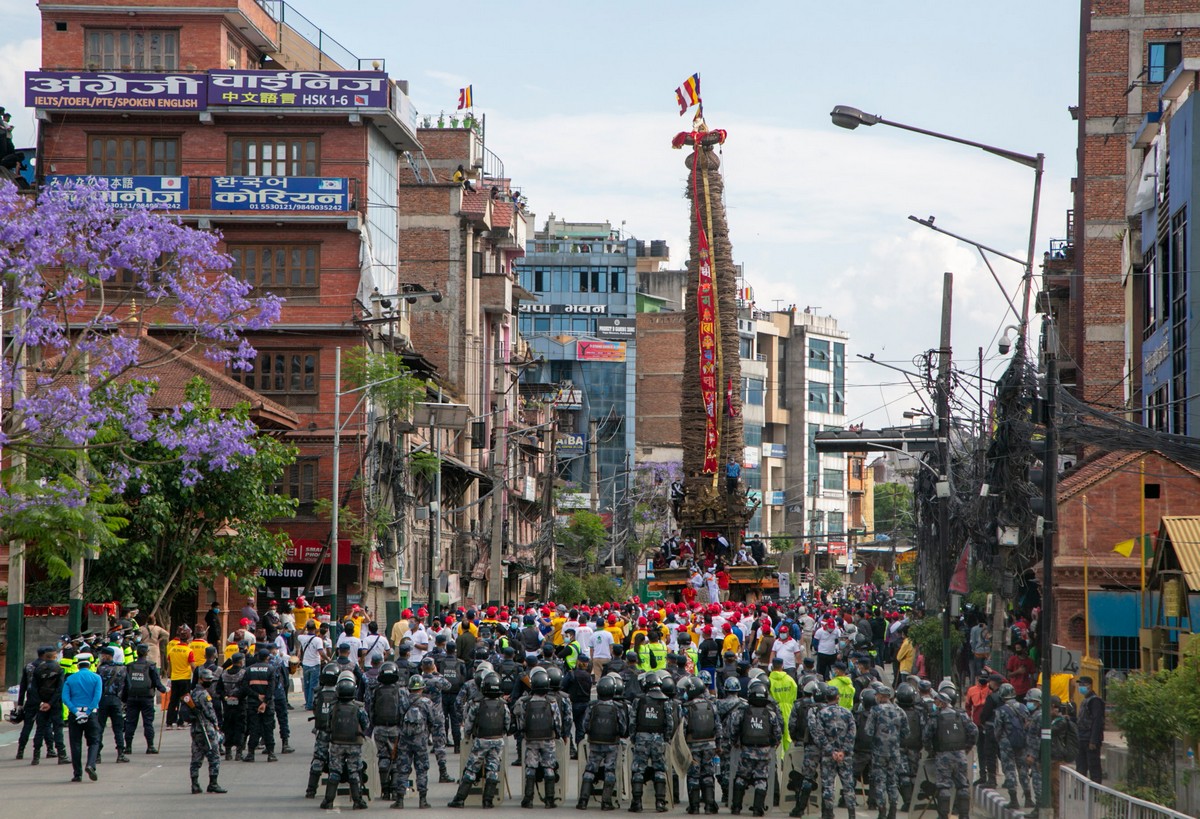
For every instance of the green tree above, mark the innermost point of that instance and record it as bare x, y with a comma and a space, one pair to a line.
894, 511
566, 587
583, 537
1181, 688
1142, 707
182, 534
926, 635
600, 588
831, 580
879, 578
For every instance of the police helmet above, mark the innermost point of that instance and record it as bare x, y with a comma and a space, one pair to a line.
650, 680
883, 691
925, 686
346, 689
756, 673
733, 685
1006, 692
948, 688
606, 688
831, 694
631, 656
491, 685
811, 688
555, 675
416, 683
205, 675
617, 681
730, 655
867, 699
237, 657
329, 674
757, 694
667, 685
685, 639
1034, 695
906, 696
389, 673
539, 681
481, 653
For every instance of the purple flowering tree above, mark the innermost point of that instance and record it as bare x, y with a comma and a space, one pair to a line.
74, 377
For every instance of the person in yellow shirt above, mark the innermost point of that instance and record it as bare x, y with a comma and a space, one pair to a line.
303, 613
557, 619
731, 641
180, 661
358, 617
615, 628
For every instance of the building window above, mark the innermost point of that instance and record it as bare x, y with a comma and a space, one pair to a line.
752, 391
836, 521
856, 468
818, 354
839, 403
133, 156
1164, 58
233, 54
745, 348
124, 50
277, 267
816, 523
287, 374
299, 481
833, 479
818, 397
274, 156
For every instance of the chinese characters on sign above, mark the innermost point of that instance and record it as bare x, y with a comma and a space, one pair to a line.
280, 193
129, 192
299, 89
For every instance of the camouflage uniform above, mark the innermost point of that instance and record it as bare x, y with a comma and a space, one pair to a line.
702, 772
412, 746
833, 729
649, 750
540, 753
950, 767
206, 738
467, 694
1033, 739
754, 762
436, 685
887, 726
724, 707
345, 758
1012, 733
485, 753
603, 757
385, 736
912, 753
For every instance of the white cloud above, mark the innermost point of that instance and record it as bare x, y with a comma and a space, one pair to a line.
15, 59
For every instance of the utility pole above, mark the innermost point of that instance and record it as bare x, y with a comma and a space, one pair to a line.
943, 492
551, 473
812, 543
594, 466
500, 457
1049, 541
15, 634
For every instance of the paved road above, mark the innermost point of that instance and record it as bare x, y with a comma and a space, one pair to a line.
158, 786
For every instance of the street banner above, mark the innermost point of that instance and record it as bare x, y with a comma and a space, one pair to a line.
280, 193
85, 90
130, 192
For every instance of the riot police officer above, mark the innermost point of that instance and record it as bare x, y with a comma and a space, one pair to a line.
323, 702
486, 723
605, 722
386, 704
113, 692
347, 725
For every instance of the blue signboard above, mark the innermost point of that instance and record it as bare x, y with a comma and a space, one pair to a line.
1156, 360
129, 192
280, 193
571, 443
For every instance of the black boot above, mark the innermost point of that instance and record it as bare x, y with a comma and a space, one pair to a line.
314, 779
906, 792
399, 801
460, 798
422, 802
585, 793
735, 803
527, 799
330, 793
943, 806
356, 796
548, 788
37, 757
248, 756
710, 798
826, 810
1029, 803
660, 797
849, 813
214, 786
891, 811
606, 797
444, 776
121, 755
760, 803
228, 754
693, 806
490, 787
196, 785
1012, 799
635, 804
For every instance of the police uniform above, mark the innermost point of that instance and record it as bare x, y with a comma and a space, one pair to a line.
206, 740
324, 699
348, 725
887, 727
605, 722
455, 673
258, 700
412, 749
948, 734
541, 721
756, 731
811, 759
1011, 721
386, 705
725, 707
653, 725
228, 692
437, 685
486, 722
833, 729
702, 729
142, 681
911, 746
113, 693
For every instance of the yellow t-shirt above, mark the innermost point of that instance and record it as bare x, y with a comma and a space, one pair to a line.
303, 615
731, 643
179, 660
230, 650
198, 648
358, 620
618, 635
556, 624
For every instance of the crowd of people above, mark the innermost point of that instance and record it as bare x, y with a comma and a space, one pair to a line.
719, 695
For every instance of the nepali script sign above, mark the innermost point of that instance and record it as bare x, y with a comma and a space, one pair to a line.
299, 89
115, 91
280, 193
130, 192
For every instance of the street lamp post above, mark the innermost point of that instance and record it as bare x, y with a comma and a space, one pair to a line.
845, 116
438, 416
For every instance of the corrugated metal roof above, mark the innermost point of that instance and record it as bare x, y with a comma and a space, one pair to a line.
1183, 532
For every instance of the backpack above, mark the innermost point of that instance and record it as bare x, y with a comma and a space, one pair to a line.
414, 723
950, 732
1016, 729
46, 679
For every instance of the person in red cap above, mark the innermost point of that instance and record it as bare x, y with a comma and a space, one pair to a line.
400, 627
358, 617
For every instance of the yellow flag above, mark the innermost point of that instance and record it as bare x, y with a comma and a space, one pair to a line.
1124, 548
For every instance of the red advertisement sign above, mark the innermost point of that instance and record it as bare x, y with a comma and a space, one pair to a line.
600, 351
706, 298
307, 550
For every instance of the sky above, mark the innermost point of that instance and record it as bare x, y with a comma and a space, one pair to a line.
580, 106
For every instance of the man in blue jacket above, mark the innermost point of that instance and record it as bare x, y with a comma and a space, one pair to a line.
81, 696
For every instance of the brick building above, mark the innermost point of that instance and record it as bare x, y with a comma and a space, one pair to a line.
235, 122
1113, 487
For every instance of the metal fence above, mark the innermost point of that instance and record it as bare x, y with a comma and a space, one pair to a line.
1081, 798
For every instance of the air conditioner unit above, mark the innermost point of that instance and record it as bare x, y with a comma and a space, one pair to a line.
421, 513
391, 579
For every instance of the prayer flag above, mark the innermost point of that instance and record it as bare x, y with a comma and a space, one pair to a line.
688, 94
465, 99
1124, 548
